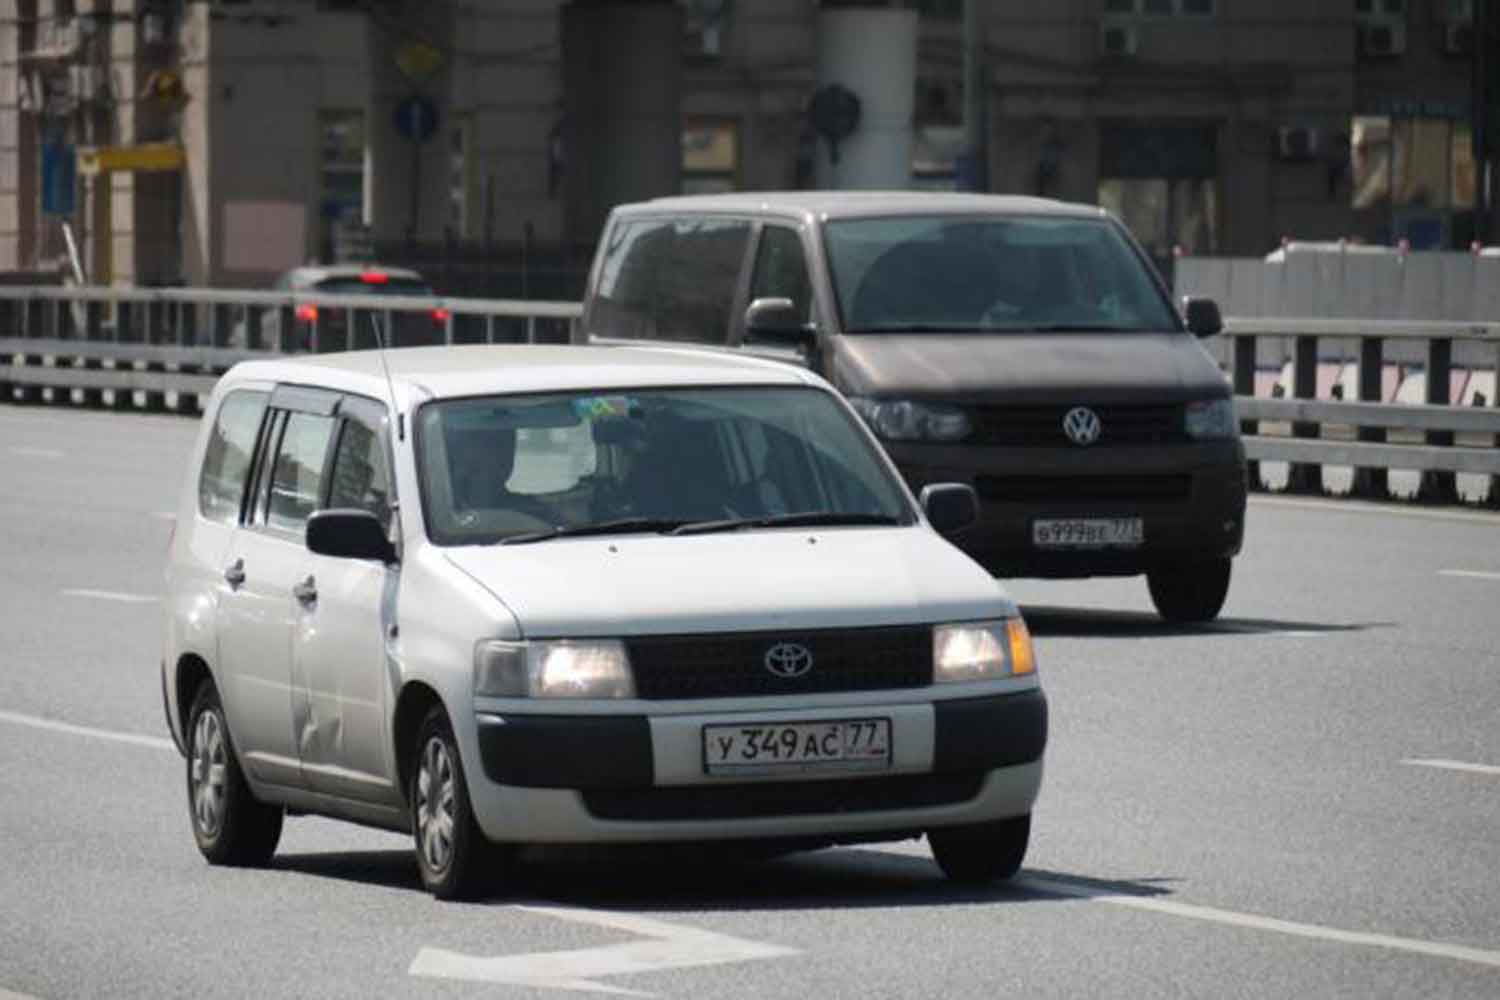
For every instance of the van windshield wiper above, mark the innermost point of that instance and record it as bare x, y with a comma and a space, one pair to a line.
803, 519
1079, 328
618, 526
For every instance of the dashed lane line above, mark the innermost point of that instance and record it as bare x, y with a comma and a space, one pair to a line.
28, 452
1453, 765
1346, 506
1470, 574
113, 595
56, 726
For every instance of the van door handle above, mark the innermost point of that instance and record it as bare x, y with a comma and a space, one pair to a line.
306, 591
234, 573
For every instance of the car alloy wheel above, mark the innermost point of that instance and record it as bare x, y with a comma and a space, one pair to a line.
435, 806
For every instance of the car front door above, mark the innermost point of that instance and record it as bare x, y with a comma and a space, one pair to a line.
340, 657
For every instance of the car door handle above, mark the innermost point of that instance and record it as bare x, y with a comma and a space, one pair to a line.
234, 573
306, 591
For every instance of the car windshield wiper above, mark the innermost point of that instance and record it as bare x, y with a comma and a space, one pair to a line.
920, 328
1079, 328
618, 526
803, 519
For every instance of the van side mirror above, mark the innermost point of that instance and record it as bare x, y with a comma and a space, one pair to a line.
950, 507
1202, 315
778, 321
349, 534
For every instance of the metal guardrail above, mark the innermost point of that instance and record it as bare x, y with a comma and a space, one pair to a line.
128, 347
1308, 448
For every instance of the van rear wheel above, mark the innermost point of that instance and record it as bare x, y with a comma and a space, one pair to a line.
230, 825
1193, 592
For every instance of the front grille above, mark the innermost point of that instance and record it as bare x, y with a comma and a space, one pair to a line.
725, 665
1042, 426
782, 798
1069, 489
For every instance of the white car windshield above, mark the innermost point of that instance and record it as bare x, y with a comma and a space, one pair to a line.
529, 468
948, 273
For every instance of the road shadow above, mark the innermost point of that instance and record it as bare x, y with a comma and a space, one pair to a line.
1099, 623
675, 878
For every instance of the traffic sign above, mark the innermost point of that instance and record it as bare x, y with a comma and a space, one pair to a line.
416, 118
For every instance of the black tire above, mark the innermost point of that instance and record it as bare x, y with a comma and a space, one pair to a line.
1191, 593
455, 859
981, 853
230, 825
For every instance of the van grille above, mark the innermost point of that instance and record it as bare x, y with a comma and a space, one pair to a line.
1068, 489
727, 665
1042, 426
782, 798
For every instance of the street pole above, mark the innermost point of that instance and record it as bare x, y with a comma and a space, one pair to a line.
974, 126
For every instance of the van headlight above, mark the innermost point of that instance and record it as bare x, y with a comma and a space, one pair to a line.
1210, 419
908, 420
554, 668
981, 651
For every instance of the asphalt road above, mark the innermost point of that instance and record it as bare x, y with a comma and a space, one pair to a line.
1301, 800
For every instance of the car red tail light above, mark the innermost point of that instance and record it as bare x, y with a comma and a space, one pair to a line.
374, 278
307, 314
440, 315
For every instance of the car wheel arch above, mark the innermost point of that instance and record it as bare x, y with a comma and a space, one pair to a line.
416, 699
191, 673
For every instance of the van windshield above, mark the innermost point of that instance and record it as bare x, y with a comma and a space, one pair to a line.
530, 468
947, 273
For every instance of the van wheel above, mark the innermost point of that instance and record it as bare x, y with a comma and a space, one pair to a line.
453, 856
981, 853
230, 825
1191, 593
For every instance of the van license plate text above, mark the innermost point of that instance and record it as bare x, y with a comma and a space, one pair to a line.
1088, 532
773, 747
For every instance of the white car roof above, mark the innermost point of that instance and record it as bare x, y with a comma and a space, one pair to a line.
476, 370
861, 204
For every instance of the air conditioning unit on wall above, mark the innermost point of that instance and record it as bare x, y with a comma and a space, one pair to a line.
1118, 40
1382, 39
1298, 143
1458, 38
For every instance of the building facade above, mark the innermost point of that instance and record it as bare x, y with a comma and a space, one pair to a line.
219, 142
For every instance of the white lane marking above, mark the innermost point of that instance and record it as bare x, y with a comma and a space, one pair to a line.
53, 725
28, 452
668, 946
1232, 918
113, 595
1453, 765
1345, 506
1472, 574
8, 995
164, 515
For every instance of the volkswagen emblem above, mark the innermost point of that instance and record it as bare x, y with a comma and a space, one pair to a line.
789, 659
1082, 425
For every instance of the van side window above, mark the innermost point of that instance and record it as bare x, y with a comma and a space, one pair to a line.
670, 279
625, 301
226, 463
781, 269
297, 476
361, 476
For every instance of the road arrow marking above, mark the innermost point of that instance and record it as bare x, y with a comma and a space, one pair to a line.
669, 946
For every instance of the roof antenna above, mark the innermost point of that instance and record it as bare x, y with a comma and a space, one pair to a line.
390, 384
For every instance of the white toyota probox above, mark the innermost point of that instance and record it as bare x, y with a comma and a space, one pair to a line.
499, 596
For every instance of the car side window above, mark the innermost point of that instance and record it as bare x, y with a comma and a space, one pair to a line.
781, 270
227, 460
698, 284
297, 475
361, 473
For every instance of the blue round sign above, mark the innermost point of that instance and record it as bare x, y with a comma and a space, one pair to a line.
416, 118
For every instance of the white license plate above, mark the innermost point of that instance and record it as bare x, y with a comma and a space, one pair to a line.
1087, 532
775, 747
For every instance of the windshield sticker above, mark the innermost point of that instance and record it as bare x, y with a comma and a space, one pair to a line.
606, 407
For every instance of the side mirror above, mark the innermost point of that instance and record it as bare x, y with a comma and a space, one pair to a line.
1203, 319
349, 534
778, 321
950, 507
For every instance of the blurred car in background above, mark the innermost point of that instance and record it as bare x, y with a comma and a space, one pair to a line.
325, 327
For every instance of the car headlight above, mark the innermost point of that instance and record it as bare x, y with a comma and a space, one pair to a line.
981, 651
908, 420
1210, 418
561, 668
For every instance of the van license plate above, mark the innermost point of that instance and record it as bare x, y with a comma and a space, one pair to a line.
1088, 532
777, 747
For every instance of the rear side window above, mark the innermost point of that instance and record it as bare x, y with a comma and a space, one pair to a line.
226, 463
297, 476
670, 279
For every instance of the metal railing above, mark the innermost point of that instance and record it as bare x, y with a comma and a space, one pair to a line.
1358, 433
129, 347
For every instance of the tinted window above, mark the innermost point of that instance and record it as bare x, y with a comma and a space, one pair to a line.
957, 273
515, 464
669, 280
781, 269
361, 475
226, 463
297, 476
358, 286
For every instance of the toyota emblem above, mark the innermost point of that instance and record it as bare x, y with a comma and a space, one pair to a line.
789, 659
1082, 425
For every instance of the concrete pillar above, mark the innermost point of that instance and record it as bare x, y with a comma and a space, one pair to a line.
872, 52
622, 122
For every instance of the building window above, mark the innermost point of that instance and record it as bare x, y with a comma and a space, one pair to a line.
1416, 175
710, 157
1365, 9
1161, 8
1161, 181
705, 23
342, 178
